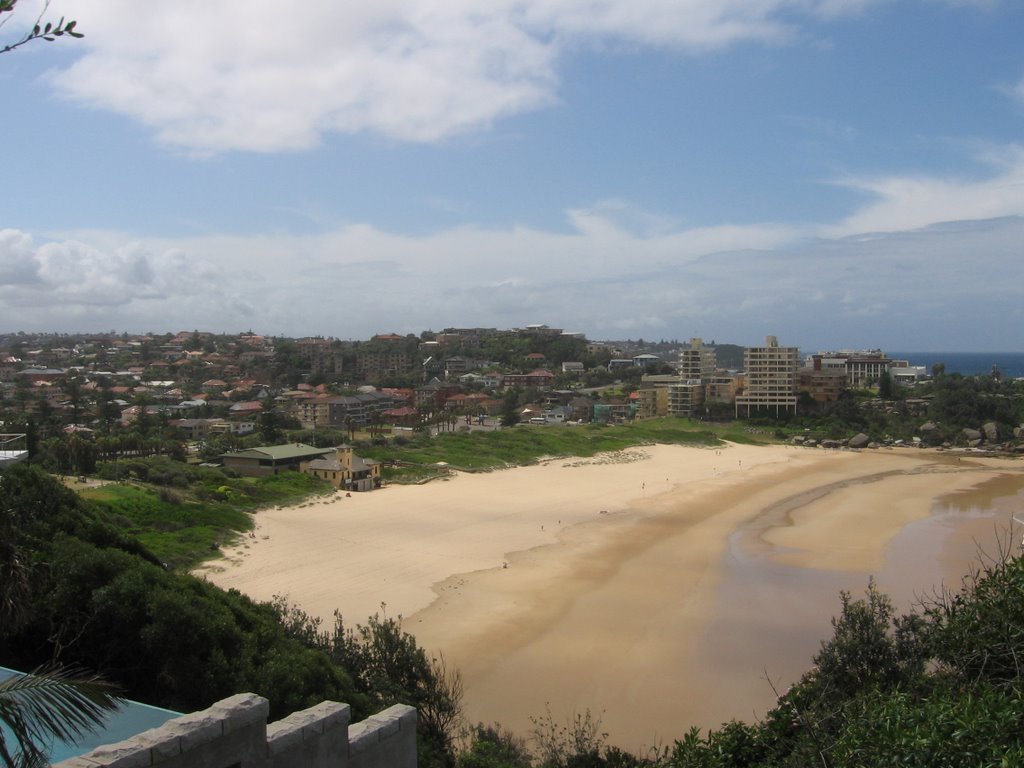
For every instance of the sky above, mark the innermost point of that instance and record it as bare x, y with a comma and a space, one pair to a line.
836, 173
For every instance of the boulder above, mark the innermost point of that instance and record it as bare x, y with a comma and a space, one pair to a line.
971, 435
991, 431
859, 441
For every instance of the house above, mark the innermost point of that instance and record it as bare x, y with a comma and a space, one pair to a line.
248, 409
272, 459
540, 378
406, 416
344, 470
195, 429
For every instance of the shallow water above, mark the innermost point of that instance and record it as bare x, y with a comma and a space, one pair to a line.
771, 618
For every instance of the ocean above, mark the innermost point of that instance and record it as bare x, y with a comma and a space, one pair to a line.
967, 363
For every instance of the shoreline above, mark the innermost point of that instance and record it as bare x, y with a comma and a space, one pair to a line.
620, 571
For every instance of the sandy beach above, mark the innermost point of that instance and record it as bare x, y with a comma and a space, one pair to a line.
658, 587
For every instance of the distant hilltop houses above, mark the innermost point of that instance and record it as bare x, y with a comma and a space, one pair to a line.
203, 388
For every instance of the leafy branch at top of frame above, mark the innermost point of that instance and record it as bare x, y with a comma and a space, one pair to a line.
48, 31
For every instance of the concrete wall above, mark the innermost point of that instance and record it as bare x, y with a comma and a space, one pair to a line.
233, 733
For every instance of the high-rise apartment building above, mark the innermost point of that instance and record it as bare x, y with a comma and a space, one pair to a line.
771, 377
696, 363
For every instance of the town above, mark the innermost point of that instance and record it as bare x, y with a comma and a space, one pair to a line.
201, 394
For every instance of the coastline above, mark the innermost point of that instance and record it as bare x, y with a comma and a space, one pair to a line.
631, 577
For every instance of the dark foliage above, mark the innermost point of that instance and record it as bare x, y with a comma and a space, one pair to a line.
99, 600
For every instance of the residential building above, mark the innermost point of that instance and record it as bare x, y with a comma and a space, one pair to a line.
685, 398
723, 387
652, 402
540, 378
615, 410
642, 361
823, 385
697, 362
322, 356
771, 378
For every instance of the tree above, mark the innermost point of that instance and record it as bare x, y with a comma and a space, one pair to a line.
509, 410
886, 389
491, 746
47, 704
269, 423
48, 31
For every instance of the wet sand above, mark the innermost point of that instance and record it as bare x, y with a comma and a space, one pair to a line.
659, 587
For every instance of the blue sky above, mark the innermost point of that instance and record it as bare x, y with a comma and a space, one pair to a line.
838, 173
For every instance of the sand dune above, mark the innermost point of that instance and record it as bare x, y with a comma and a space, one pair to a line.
657, 585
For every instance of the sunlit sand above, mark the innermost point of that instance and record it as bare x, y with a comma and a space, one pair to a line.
660, 587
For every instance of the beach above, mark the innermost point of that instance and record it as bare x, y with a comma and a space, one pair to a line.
660, 587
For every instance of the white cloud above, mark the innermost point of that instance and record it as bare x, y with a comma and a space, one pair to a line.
74, 275
209, 77
911, 202
905, 289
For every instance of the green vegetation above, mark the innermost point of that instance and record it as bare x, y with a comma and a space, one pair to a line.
182, 513
525, 444
949, 403
78, 589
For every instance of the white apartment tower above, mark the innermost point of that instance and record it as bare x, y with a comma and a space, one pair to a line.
771, 377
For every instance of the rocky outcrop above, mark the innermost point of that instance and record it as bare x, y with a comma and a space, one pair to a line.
859, 441
971, 435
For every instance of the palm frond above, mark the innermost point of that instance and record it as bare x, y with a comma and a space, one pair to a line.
50, 702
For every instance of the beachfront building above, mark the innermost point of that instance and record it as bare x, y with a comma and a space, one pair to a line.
652, 400
685, 398
822, 385
723, 387
683, 393
771, 378
344, 470
271, 459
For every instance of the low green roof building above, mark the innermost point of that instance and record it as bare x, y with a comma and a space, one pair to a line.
271, 459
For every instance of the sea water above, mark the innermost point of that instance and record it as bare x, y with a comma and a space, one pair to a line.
1010, 364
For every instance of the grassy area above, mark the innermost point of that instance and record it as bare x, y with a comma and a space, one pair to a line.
185, 526
184, 514
525, 444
